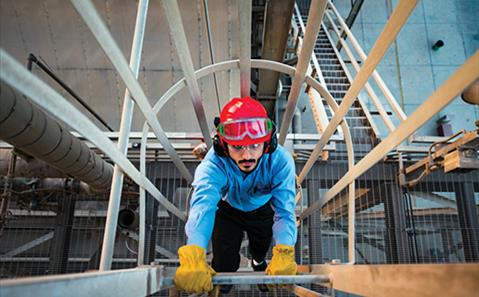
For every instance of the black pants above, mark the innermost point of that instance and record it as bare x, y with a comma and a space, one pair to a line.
230, 223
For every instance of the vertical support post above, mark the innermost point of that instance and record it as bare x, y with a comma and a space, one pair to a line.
151, 227
446, 239
245, 46
315, 16
351, 223
468, 220
178, 36
315, 245
277, 25
60, 243
6, 194
125, 127
314, 224
168, 185
396, 237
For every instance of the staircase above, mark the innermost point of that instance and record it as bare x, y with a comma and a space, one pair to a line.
337, 83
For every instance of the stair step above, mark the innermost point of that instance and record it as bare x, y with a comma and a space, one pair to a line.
326, 57
337, 94
324, 51
334, 69
332, 74
336, 80
337, 89
323, 43
328, 62
355, 122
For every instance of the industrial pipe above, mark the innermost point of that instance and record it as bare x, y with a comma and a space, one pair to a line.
27, 167
30, 130
128, 219
24, 184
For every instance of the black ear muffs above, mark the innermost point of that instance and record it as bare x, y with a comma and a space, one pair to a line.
272, 144
219, 146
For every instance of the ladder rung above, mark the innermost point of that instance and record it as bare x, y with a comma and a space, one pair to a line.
252, 278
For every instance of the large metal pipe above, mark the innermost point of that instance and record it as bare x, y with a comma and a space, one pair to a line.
30, 130
30, 185
27, 167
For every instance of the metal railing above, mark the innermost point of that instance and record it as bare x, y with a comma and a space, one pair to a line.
317, 107
339, 27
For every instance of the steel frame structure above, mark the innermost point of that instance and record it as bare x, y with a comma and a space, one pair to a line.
149, 279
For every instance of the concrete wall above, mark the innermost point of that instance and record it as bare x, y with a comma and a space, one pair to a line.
53, 31
411, 69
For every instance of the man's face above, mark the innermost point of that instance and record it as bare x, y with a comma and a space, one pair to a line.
246, 157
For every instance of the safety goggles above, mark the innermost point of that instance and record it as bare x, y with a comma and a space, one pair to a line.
236, 130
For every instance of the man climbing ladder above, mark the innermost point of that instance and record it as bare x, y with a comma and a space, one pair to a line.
246, 183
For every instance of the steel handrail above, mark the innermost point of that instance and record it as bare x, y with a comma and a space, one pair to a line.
319, 111
377, 78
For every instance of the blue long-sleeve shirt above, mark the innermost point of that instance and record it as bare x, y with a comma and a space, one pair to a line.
219, 177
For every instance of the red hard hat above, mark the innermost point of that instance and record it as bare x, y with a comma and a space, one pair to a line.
249, 114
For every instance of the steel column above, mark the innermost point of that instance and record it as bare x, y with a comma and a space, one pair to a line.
314, 225
277, 24
178, 36
245, 46
313, 26
468, 220
396, 237
315, 244
151, 227
60, 243
125, 128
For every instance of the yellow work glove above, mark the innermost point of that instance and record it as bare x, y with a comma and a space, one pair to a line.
194, 274
283, 262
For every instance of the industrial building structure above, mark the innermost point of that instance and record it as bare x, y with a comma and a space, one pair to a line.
102, 103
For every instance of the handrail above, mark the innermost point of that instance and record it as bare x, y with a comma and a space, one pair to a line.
377, 78
315, 16
365, 109
317, 106
369, 89
313, 57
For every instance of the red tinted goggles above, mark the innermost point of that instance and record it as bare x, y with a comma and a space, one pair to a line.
255, 128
